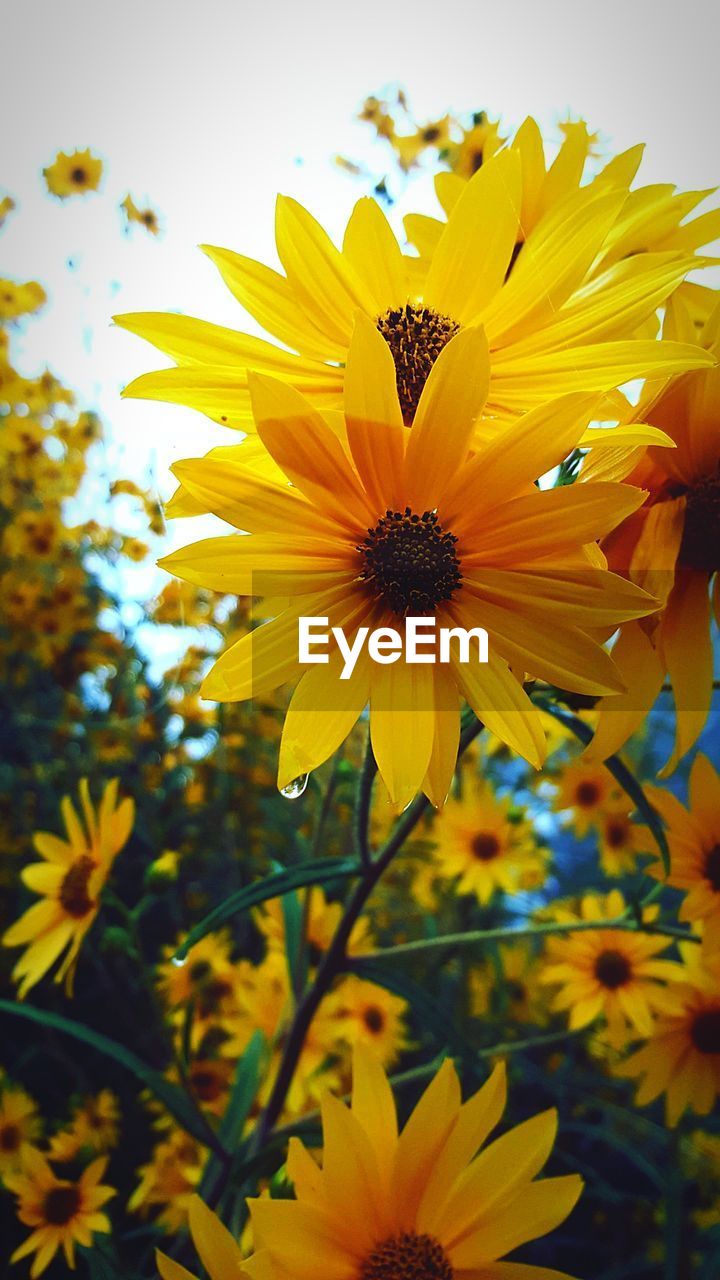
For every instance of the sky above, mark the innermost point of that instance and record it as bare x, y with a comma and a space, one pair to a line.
207, 110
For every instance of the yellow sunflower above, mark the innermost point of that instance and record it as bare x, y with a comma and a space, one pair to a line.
587, 791
70, 879
61, 1212
168, 1180
682, 1056
694, 838
673, 547
75, 174
95, 1126
383, 521
323, 918
610, 972
423, 1202
368, 1014
20, 1127
146, 217
619, 840
478, 842
652, 219
478, 144
547, 334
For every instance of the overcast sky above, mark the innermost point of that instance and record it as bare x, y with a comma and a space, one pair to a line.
208, 109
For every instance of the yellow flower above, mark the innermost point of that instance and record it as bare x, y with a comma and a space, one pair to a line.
61, 1212
7, 204
673, 547
168, 1181
94, 1126
651, 220
70, 879
19, 1127
546, 335
368, 1014
323, 918
694, 838
209, 978
478, 145
478, 842
588, 791
422, 1202
145, 217
620, 839
682, 1057
20, 299
383, 521
219, 1253
610, 972
75, 174
518, 990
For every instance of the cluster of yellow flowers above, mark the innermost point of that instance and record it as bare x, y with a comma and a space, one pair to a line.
507, 420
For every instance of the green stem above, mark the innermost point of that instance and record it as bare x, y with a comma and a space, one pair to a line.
335, 957
625, 923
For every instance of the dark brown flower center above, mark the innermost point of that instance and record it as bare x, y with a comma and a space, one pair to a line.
587, 794
211, 995
78, 175
431, 134
207, 1084
612, 970
409, 562
616, 833
374, 1019
415, 336
10, 1137
705, 1031
700, 546
74, 896
200, 971
61, 1205
407, 1257
485, 846
712, 867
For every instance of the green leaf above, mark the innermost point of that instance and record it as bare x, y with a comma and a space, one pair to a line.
173, 1098
245, 1086
242, 1096
622, 776
315, 871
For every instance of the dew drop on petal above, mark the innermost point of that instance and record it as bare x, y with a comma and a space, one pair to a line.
179, 961
296, 787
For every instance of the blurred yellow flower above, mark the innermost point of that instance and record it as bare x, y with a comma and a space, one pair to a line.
146, 218
73, 174
682, 1055
693, 835
20, 1126
608, 971
483, 849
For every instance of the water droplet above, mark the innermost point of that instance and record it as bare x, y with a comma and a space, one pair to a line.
296, 787
179, 961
